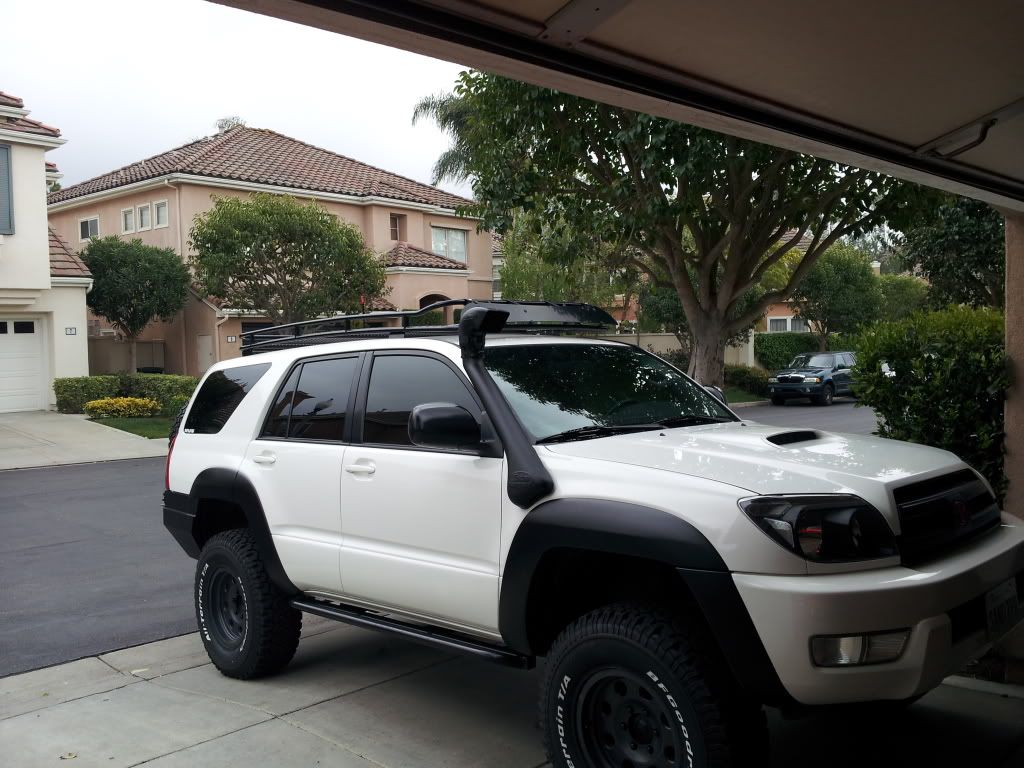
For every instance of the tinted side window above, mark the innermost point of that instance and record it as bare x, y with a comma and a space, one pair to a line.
277, 419
398, 383
321, 399
220, 395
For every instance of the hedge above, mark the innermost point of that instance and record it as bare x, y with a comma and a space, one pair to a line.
775, 350
123, 407
168, 390
752, 380
949, 386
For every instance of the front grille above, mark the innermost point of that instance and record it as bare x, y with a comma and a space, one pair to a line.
790, 379
939, 514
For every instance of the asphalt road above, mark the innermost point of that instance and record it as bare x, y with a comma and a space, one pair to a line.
85, 563
87, 567
841, 416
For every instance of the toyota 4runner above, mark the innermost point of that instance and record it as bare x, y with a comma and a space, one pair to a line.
498, 489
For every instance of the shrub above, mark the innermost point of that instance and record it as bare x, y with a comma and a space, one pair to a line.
435, 317
162, 387
775, 350
752, 380
173, 406
74, 392
680, 358
122, 407
950, 383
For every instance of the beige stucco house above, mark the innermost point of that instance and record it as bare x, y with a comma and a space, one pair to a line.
431, 253
42, 282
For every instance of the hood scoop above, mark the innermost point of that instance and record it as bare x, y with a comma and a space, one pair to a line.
795, 436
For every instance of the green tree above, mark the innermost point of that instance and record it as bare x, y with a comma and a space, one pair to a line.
959, 247
451, 114
839, 294
134, 284
704, 214
277, 256
902, 296
550, 261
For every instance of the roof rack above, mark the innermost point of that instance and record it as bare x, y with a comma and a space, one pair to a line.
522, 316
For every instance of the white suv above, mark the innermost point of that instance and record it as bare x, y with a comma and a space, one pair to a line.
514, 494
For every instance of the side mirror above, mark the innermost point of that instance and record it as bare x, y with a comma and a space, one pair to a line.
444, 425
717, 393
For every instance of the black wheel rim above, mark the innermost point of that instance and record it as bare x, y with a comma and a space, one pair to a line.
828, 395
227, 609
624, 721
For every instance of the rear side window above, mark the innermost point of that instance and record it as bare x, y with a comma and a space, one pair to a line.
219, 396
320, 403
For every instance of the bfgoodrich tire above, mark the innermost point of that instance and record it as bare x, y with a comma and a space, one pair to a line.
247, 626
629, 687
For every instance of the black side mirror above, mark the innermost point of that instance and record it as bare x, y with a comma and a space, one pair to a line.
717, 393
444, 425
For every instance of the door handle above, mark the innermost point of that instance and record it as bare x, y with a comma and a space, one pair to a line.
360, 469
264, 458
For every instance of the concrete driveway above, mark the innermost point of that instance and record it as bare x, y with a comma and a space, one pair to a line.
354, 698
44, 438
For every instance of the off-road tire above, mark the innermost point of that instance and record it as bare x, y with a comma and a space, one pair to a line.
826, 397
776, 400
246, 624
627, 686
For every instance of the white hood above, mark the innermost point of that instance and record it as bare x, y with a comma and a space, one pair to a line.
740, 454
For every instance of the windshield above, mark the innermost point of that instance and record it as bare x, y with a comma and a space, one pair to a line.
554, 388
812, 361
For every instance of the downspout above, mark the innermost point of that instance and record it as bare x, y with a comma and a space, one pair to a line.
181, 254
216, 336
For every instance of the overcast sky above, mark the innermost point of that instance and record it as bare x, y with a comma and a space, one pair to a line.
127, 80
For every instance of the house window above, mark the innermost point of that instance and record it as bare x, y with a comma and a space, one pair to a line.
88, 228
777, 324
143, 217
398, 227
798, 324
448, 242
160, 214
127, 220
24, 326
6, 193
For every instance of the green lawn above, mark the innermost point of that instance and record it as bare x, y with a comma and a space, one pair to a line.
737, 395
151, 426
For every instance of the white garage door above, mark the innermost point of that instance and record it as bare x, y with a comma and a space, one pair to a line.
21, 365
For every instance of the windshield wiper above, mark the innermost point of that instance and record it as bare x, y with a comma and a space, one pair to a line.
596, 430
691, 420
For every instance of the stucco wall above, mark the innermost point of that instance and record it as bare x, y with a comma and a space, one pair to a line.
24, 256
56, 310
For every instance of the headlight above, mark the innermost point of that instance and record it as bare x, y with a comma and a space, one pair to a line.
773, 380
813, 380
826, 528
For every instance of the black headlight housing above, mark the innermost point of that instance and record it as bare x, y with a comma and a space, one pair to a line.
825, 528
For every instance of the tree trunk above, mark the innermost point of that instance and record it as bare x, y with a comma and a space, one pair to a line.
133, 356
707, 357
822, 342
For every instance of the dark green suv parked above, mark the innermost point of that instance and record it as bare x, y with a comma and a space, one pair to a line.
817, 376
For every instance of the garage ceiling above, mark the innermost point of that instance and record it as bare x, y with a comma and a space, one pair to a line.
930, 90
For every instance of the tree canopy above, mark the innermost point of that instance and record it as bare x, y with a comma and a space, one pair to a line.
704, 214
902, 296
960, 248
839, 294
134, 284
291, 261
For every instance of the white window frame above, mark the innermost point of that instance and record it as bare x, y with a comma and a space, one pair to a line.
88, 218
783, 319
124, 229
447, 253
138, 217
796, 319
156, 224
396, 230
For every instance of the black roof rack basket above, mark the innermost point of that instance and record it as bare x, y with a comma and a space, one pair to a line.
522, 316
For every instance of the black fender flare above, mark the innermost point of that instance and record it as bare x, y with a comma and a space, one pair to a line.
181, 517
622, 528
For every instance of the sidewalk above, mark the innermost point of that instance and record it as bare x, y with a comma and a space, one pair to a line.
352, 698
44, 438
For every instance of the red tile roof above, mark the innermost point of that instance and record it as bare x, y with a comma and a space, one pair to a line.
51, 167
405, 255
265, 157
27, 125
6, 100
63, 261
381, 305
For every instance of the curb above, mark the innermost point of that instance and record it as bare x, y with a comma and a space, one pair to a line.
1006, 690
749, 404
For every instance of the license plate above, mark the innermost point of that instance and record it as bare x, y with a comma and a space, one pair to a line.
1003, 609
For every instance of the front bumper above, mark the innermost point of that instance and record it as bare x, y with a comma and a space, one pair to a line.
795, 390
938, 602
